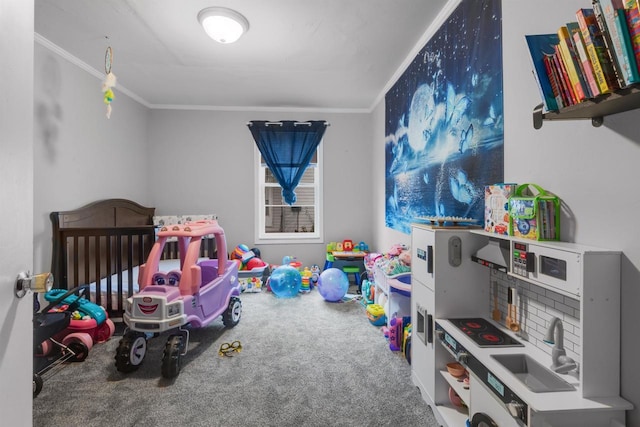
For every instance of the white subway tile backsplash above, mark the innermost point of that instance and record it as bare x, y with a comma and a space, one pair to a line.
572, 303
553, 295
536, 307
545, 300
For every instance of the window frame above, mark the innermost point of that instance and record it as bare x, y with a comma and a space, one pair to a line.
261, 236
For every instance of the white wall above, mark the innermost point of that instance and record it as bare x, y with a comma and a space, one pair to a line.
203, 162
595, 171
80, 156
179, 161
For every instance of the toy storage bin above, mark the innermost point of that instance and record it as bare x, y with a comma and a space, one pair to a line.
393, 292
247, 282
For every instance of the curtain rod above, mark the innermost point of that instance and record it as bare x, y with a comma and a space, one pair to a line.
295, 123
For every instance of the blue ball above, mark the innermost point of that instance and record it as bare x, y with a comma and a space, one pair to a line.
333, 284
285, 282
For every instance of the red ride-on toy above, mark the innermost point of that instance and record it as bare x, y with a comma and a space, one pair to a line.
58, 338
86, 316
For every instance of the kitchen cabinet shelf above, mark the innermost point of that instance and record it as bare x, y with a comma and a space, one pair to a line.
594, 109
457, 386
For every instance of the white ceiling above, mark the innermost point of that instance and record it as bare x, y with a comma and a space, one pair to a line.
308, 54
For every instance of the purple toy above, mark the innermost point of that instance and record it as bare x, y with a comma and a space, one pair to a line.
195, 295
333, 284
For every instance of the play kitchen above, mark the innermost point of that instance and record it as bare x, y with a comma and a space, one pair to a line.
515, 378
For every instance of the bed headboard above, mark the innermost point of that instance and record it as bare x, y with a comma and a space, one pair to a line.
100, 239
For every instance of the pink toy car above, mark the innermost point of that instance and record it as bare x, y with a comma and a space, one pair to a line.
195, 295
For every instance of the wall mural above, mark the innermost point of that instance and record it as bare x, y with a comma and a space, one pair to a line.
444, 128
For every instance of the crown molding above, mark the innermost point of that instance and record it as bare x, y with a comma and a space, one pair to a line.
42, 41
440, 19
99, 75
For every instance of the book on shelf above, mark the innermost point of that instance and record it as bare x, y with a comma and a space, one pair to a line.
632, 13
612, 38
597, 51
540, 46
584, 61
565, 93
554, 80
616, 22
571, 64
565, 83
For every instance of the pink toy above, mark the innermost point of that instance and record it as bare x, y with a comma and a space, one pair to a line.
395, 334
195, 295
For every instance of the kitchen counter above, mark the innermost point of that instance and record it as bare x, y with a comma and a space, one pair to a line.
545, 402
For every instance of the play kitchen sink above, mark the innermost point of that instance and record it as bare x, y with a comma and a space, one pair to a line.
532, 374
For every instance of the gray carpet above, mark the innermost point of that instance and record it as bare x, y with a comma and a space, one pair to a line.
304, 362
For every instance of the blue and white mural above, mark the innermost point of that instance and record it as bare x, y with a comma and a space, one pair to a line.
444, 127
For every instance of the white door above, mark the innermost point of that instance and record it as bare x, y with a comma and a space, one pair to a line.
16, 212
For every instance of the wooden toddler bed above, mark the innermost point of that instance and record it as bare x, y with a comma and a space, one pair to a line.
102, 244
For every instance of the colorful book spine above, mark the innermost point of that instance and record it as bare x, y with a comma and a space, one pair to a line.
539, 46
632, 14
570, 98
596, 49
587, 68
583, 58
598, 11
553, 80
616, 22
570, 63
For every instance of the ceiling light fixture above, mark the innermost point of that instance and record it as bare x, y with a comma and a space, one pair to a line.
222, 24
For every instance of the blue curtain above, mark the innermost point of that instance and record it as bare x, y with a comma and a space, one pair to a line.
287, 147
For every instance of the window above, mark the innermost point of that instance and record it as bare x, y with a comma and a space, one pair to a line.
277, 221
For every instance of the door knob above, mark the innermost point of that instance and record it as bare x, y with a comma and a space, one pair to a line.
39, 283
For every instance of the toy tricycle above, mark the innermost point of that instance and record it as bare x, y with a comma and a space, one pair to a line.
195, 295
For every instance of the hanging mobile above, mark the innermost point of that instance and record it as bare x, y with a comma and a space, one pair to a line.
108, 55
109, 81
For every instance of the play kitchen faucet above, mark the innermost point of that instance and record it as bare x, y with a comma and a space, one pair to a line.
560, 362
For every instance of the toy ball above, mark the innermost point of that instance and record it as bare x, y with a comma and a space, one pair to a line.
285, 282
239, 251
333, 284
256, 252
255, 263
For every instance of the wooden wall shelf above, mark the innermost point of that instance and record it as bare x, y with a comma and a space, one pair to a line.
594, 109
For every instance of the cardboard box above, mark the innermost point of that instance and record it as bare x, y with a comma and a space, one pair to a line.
496, 207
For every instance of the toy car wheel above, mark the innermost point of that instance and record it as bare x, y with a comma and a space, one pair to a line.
231, 317
37, 384
131, 351
105, 331
172, 356
80, 351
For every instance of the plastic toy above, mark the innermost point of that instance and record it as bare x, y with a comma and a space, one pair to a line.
227, 349
368, 291
333, 284
285, 281
59, 337
87, 319
305, 286
195, 295
396, 332
250, 285
315, 275
375, 314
